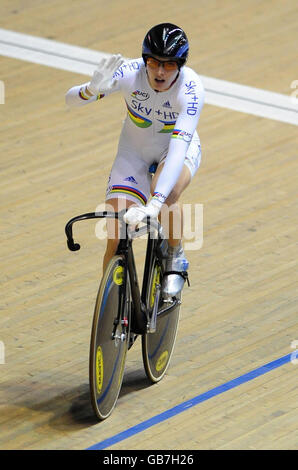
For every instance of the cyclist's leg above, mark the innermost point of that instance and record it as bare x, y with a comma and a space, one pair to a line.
172, 220
129, 184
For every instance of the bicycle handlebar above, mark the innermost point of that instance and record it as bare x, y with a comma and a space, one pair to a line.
137, 232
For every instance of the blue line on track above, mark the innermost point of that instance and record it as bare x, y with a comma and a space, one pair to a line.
190, 403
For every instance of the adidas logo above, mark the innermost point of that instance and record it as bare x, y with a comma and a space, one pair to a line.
131, 179
167, 104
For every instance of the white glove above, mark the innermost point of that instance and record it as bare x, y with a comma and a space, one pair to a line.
136, 214
102, 80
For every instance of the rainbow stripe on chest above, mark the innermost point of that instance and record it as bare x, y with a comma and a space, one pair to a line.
137, 119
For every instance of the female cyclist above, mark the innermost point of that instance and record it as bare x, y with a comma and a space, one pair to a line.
164, 99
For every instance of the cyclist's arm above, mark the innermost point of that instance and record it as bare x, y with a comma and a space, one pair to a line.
181, 137
79, 95
105, 80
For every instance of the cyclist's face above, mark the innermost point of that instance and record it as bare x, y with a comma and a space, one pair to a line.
161, 72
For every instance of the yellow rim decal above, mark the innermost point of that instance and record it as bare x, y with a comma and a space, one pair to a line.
162, 361
99, 369
118, 275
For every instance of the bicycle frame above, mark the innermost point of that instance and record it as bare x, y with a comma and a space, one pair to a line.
140, 311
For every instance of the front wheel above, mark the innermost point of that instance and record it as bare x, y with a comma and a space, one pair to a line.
109, 338
157, 347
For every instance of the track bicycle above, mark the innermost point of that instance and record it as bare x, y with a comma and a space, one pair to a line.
123, 311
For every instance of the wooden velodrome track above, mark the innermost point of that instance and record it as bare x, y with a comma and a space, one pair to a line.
240, 312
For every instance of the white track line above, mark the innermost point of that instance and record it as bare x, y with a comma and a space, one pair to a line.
83, 61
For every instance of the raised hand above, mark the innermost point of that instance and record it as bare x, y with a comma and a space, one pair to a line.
102, 80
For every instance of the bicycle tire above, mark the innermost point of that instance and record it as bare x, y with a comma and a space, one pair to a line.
107, 355
158, 347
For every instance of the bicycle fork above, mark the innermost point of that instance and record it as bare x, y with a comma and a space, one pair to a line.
120, 329
152, 324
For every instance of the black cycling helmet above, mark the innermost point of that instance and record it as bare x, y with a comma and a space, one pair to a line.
166, 40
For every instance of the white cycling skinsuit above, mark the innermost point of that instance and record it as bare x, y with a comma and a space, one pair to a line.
159, 126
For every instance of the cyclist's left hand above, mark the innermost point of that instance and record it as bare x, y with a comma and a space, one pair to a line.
136, 214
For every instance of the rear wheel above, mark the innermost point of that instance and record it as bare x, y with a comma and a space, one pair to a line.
109, 338
157, 348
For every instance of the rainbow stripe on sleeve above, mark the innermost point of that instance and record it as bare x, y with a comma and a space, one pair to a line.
82, 94
182, 135
177, 134
85, 97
